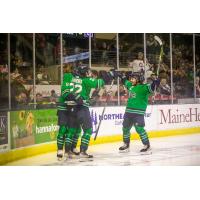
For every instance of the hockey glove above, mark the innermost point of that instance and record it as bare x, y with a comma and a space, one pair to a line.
112, 74
70, 97
115, 74
119, 74
123, 78
79, 100
93, 100
155, 83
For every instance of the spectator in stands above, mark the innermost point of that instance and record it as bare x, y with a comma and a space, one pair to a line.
46, 78
3, 69
29, 79
179, 78
151, 42
53, 97
108, 95
96, 92
189, 85
39, 74
149, 69
53, 94
163, 74
20, 96
151, 78
41, 102
137, 65
4, 90
22, 99
180, 74
20, 79
122, 91
164, 88
104, 56
197, 85
39, 98
15, 74
42, 77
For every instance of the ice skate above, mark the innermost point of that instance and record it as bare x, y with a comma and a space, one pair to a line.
146, 150
125, 148
60, 155
75, 152
69, 155
84, 156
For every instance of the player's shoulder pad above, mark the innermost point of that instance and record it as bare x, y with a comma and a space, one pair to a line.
67, 75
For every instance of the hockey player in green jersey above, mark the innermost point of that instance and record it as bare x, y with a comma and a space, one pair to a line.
135, 109
64, 114
81, 86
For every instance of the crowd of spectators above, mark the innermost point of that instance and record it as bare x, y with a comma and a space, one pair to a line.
3, 86
131, 58
104, 52
182, 72
21, 90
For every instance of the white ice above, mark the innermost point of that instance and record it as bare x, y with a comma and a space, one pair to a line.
166, 151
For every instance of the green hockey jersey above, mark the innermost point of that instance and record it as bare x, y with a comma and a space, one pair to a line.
80, 87
138, 97
65, 90
88, 84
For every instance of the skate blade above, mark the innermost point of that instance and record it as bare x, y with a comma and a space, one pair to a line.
75, 154
124, 151
146, 153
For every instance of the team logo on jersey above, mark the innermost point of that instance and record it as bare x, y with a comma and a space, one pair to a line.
132, 95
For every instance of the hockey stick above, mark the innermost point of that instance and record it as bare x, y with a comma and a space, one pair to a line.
161, 52
159, 62
159, 41
97, 130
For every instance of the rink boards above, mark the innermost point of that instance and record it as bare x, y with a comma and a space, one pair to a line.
160, 117
32, 132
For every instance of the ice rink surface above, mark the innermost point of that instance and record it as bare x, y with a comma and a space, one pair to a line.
166, 151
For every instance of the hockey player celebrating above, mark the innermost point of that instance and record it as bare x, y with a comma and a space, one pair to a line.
80, 87
135, 109
64, 117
